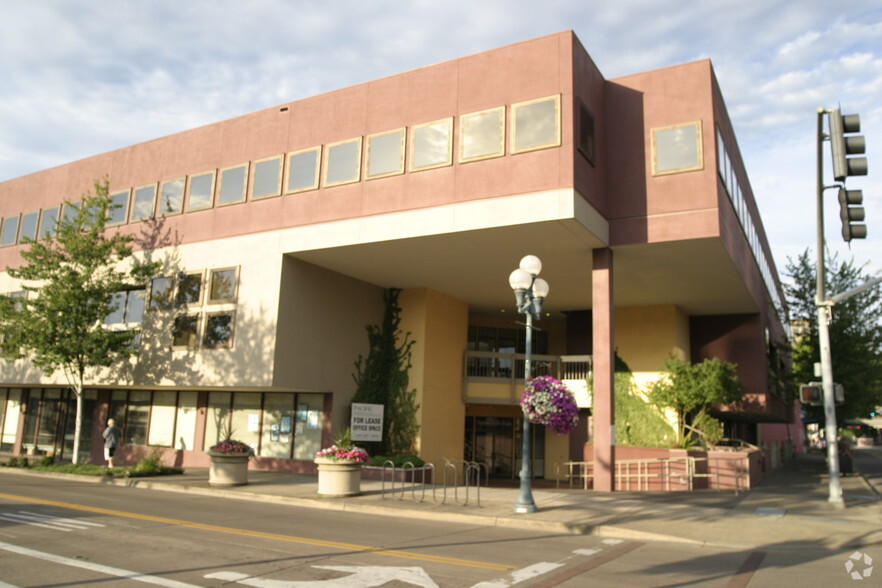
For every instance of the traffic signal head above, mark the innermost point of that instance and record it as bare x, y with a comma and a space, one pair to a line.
842, 145
852, 214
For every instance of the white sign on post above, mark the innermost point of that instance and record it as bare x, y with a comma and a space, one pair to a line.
367, 422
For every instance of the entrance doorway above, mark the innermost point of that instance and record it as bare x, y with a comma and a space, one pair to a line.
497, 443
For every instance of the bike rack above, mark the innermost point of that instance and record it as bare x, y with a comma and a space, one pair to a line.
471, 476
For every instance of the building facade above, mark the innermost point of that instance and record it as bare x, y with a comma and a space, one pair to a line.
279, 231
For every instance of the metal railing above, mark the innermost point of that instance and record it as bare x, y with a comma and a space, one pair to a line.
662, 474
456, 474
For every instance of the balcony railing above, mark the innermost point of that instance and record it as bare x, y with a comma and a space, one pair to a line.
487, 371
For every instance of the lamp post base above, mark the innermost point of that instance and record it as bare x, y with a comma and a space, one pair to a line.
524, 508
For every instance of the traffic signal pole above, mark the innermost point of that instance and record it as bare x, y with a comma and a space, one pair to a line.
824, 314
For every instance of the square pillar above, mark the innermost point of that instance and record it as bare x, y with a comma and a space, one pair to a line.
603, 343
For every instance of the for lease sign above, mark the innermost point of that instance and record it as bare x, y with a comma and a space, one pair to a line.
367, 422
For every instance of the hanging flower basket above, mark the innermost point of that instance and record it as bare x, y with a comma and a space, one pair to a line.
547, 401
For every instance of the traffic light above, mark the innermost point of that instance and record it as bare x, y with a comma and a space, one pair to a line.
847, 166
851, 214
811, 393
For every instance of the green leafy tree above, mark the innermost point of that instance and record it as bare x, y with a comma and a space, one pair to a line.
855, 332
638, 423
691, 390
382, 378
70, 278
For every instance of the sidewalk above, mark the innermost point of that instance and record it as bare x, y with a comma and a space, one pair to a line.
790, 508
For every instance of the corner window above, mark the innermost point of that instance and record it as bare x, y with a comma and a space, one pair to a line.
231, 185
586, 133
482, 135
119, 208
535, 125
431, 145
342, 162
222, 286
171, 197
144, 203
385, 154
302, 172
677, 149
9, 232
200, 191
48, 222
266, 177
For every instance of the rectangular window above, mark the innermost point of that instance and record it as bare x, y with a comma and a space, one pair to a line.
9, 233
162, 418
171, 197
217, 419
245, 421
200, 191
119, 208
48, 222
10, 420
431, 145
69, 212
536, 124
231, 186
128, 307
144, 203
308, 425
161, 293
137, 417
277, 430
302, 172
185, 333
677, 149
222, 286
385, 154
266, 177
342, 162
189, 289
28, 228
185, 428
482, 135
586, 133
218, 330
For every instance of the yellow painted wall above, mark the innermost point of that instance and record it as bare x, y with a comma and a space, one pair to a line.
647, 336
438, 325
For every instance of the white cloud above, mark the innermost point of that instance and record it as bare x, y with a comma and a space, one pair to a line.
80, 79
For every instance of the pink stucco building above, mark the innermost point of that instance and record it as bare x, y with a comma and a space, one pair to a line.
283, 227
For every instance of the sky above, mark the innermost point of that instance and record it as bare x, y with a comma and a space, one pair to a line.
81, 77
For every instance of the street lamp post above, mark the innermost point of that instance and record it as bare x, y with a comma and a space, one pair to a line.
530, 292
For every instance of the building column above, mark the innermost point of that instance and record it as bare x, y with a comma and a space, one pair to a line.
604, 370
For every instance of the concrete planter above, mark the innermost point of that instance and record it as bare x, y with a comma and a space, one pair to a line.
338, 478
228, 469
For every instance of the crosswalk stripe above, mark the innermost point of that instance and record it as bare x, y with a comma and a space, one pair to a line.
47, 521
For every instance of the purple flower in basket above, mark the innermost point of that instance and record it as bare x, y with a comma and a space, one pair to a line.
547, 401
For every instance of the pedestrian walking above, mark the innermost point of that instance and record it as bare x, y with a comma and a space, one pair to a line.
112, 436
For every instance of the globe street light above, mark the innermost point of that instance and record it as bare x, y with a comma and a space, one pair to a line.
530, 292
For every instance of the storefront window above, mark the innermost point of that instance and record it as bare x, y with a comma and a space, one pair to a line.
278, 425
308, 421
12, 404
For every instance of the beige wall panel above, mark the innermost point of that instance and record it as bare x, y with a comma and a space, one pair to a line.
647, 336
438, 325
321, 332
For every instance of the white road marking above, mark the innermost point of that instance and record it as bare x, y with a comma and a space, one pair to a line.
101, 569
359, 577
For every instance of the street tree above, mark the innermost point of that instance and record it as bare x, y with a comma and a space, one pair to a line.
69, 278
855, 332
691, 390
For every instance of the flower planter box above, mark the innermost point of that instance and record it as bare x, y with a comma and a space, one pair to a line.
338, 477
228, 469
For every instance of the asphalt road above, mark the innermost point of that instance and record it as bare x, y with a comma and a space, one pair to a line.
59, 532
